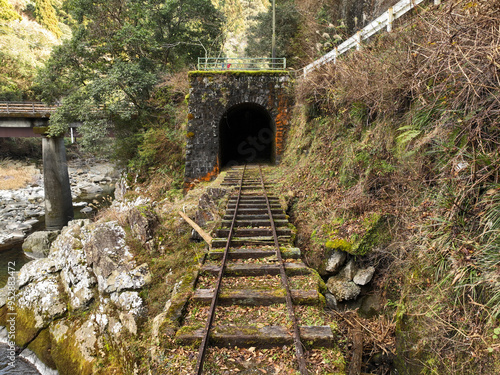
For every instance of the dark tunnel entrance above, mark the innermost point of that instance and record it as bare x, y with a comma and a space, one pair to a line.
246, 135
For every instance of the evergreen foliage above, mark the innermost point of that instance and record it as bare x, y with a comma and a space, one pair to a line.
24, 47
288, 21
7, 12
45, 15
118, 52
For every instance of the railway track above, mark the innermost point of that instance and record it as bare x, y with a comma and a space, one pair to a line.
253, 246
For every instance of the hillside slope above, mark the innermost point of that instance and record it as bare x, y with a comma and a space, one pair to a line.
408, 129
29, 30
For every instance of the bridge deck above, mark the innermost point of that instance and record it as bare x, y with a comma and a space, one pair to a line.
25, 109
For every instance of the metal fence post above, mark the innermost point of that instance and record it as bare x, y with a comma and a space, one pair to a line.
358, 40
390, 19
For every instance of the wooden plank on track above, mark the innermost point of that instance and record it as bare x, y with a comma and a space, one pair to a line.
257, 297
257, 269
261, 337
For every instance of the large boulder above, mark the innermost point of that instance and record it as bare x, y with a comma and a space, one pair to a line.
37, 305
37, 244
111, 260
143, 222
81, 299
74, 346
342, 289
208, 209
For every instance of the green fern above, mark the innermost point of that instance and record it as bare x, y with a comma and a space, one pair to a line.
408, 135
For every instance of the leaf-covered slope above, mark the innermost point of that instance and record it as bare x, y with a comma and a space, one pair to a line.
409, 127
29, 30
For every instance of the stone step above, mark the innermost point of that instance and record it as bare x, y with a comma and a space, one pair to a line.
254, 223
260, 337
286, 253
252, 232
257, 297
291, 269
250, 241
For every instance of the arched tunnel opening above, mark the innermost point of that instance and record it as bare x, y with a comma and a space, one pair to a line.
247, 135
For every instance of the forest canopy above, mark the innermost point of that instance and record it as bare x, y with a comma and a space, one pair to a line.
118, 52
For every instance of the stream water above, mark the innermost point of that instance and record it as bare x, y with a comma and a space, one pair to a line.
21, 366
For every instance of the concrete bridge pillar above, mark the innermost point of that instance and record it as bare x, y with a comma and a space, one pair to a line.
58, 202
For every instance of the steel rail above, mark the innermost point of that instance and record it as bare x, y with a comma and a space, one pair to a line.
299, 348
211, 312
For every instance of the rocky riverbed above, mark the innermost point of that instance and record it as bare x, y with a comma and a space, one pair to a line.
22, 209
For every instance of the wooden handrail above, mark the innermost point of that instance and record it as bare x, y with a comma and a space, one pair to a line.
25, 107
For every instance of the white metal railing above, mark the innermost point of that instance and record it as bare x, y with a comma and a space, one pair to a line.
241, 63
384, 21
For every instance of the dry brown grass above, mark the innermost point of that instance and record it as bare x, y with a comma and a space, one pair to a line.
409, 126
15, 175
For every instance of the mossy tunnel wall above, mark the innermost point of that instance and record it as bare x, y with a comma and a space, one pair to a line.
235, 118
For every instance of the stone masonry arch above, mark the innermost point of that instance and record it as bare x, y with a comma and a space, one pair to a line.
215, 95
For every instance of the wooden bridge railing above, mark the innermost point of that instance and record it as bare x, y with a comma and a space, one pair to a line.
386, 20
27, 108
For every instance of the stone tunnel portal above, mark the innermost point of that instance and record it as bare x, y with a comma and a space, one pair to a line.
247, 135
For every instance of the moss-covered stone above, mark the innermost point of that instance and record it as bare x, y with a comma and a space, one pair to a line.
42, 346
322, 289
3, 315
339, 244
26, 329
178, 304
376, 234
66, 349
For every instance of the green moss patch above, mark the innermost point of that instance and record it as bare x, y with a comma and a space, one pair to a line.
42, 346
364, 234
25, 326
67, 359
339, 244
377, 234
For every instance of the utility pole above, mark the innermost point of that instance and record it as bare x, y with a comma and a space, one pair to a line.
274, 32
